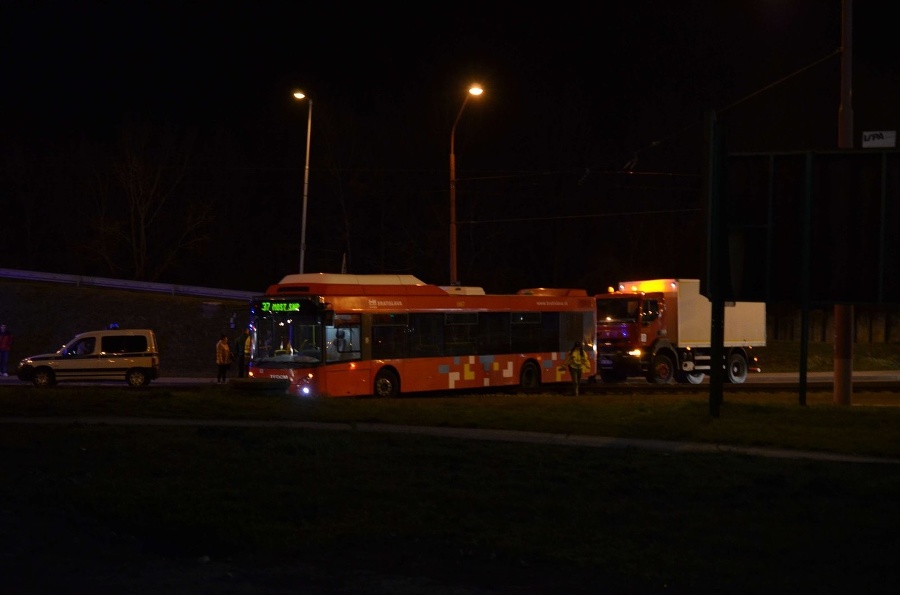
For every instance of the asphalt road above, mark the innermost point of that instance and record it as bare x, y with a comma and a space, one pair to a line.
887, 377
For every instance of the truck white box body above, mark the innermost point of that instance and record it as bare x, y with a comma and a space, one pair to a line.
662, 328
745, 322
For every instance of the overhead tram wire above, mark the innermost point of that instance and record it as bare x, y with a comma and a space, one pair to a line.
584, 216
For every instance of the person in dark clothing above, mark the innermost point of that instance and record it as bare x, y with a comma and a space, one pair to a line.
5, 347
242, 352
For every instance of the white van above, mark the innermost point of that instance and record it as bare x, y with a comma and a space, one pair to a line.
113, 354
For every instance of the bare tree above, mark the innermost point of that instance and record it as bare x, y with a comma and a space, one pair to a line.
156, 220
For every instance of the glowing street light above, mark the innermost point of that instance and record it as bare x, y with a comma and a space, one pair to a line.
299, 95
454, 280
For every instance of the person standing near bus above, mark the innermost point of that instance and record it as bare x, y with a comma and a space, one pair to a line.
577, 361
5, 347
223, 358
242, 352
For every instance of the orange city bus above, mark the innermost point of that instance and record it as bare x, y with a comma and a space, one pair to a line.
358, 335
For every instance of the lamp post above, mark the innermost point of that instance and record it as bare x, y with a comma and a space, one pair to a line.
454, 280
300, 95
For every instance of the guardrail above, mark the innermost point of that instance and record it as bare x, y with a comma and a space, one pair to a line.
225, 294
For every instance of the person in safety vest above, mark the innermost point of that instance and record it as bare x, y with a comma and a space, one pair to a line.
577, 362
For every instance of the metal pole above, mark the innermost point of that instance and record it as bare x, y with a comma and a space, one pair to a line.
305, 189
453, 278
843, 313
717, 239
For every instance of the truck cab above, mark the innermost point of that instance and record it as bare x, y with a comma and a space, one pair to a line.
628, 326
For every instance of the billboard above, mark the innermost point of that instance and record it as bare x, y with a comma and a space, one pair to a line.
812, 227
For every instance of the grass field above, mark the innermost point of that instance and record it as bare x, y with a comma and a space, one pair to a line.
235, 508
264, 509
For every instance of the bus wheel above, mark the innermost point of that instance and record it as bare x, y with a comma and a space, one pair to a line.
530, 376
387, 384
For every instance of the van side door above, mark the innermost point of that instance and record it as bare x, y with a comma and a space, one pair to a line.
78, 360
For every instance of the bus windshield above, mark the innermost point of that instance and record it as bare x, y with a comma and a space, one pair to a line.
287, 337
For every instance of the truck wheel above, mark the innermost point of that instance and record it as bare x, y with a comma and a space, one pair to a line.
737, 368
611, 377
662, 369
690, 377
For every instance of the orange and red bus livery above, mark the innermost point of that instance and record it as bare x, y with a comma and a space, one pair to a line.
356, 335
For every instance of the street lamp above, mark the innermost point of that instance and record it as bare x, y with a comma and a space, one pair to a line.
299, 95
473, 90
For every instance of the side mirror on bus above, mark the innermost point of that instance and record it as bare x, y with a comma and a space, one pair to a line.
329, 317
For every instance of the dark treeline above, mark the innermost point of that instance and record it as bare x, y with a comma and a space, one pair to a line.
157, 202
578, 196
581, 165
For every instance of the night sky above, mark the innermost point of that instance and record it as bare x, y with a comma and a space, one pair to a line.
573, 95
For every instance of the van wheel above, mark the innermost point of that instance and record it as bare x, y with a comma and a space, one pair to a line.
387, 384
44, 377
136, 378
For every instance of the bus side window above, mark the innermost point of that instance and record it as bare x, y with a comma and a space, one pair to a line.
342, 346
351, 344
338, 345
